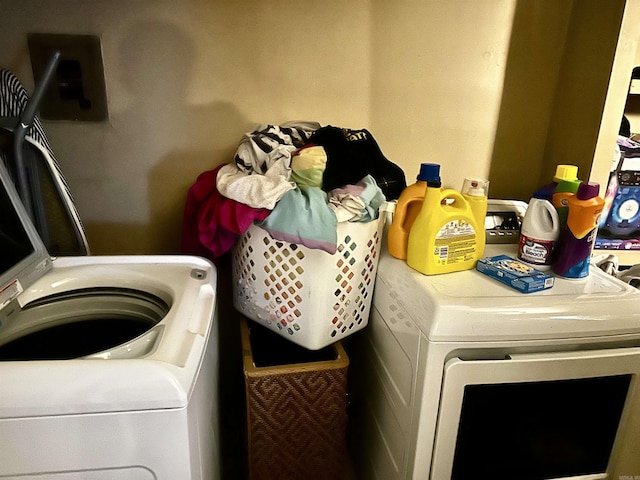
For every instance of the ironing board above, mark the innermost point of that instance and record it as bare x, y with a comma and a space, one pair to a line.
26, 152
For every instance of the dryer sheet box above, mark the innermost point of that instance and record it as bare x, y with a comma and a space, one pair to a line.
515, 274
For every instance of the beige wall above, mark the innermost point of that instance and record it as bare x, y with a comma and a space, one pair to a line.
433, 80
626, 57
186, 79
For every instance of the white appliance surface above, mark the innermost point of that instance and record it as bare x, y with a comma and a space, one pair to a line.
109, 364
144, 409
422, 325
470, 306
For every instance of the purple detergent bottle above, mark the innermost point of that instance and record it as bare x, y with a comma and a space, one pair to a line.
576, 241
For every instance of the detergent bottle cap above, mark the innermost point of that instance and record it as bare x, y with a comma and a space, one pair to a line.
542, 194
429, 172
588, 190
475, 187
567, 186
566, 172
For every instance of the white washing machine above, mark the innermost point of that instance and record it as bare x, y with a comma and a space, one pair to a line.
108, 365
462, 377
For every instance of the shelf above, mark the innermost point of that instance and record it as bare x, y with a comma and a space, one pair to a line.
634, 89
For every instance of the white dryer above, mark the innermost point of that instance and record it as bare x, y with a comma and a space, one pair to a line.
108, 365
462, 377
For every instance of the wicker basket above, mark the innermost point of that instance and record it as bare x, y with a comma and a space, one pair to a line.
309, 296
296, 411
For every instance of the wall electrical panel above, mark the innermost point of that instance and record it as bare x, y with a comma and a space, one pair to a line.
77, 91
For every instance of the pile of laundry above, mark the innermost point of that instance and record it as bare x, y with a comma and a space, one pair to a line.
297, 181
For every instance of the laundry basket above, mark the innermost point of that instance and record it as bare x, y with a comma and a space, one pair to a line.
309, 296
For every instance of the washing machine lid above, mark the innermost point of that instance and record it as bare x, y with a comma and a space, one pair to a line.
23, 258
469, 306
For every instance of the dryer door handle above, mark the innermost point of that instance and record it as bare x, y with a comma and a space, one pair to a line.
575, 355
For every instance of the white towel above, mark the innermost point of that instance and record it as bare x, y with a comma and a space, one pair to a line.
255, 190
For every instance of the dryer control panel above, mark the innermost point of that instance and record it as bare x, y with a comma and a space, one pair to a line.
503, 220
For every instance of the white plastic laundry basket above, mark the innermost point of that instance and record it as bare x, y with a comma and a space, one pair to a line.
309, 296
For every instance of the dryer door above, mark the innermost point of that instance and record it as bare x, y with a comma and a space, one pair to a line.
539, 416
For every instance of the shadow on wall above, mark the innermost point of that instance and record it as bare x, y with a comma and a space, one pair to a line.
165, 144
557, 75
531, 74
161, 142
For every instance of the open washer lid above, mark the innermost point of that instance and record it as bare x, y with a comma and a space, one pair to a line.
23, 258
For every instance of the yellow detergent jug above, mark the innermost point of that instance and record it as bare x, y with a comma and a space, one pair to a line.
445, 235
408, 208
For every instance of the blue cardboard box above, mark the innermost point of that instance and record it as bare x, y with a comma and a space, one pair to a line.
515, 274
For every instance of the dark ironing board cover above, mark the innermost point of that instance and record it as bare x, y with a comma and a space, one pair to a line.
62, 230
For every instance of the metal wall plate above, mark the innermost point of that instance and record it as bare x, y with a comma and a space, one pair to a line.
78, 90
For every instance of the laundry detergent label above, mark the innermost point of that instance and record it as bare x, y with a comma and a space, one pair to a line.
9, 292
535, 251
455, 243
